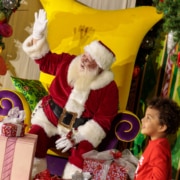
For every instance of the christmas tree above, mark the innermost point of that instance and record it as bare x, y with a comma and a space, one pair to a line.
7, 7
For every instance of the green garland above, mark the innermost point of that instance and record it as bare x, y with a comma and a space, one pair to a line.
171, 16
6, 10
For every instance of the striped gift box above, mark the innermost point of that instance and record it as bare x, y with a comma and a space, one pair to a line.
17, 155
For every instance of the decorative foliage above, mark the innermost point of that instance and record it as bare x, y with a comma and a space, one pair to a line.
171, 25
7, 7
171, 12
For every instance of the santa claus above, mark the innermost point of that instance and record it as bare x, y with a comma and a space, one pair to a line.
82, 100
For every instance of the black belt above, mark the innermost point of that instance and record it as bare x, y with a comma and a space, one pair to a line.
65, 118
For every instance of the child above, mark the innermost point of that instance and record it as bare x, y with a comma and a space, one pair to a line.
162, 117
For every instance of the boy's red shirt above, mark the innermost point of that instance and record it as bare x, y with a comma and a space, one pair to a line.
155, 162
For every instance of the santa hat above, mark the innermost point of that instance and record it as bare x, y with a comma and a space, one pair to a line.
103, 56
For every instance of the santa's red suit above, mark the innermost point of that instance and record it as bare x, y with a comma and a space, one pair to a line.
98, 102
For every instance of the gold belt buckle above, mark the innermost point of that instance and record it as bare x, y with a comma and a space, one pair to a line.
63, 115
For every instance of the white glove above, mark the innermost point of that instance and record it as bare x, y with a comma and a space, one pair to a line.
68, 141
64, 144
39, 27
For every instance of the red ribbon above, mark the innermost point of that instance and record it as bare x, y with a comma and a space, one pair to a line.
116, 154
45, 175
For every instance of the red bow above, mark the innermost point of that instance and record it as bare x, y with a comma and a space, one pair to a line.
45, 175
116, 154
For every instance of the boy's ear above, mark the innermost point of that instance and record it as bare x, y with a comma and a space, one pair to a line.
163, 128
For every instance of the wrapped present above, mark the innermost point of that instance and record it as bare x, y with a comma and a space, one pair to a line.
13, 124
13, 130
45, 175
17, 154
110, 164
98, 168
117, 171
14, 116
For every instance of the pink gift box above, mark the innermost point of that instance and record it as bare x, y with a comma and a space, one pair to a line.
16, 157
13, 130
101, 169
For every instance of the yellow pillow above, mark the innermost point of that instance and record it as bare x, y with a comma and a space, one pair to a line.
72, 25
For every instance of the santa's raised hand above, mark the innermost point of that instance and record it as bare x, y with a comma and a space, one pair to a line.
40, 23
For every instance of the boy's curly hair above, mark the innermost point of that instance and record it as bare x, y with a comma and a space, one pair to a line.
169, 113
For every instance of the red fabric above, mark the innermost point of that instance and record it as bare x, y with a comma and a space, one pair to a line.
76, 153
102, 104
97, 105
45, 175
155, 162
42, 142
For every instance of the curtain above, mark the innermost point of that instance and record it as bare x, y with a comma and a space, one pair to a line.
109, 4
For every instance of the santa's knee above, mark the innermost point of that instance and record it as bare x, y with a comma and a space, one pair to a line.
69, 170
42, 141
39, 162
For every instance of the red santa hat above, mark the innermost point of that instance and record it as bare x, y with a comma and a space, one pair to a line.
103, 56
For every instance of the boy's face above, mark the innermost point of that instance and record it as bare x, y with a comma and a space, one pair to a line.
151, 126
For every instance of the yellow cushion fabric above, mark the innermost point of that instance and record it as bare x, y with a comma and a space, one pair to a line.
46, 79
72, 25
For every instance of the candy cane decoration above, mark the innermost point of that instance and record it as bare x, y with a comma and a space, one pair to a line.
168, 72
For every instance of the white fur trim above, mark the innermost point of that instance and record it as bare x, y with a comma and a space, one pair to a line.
62, 130
39, 165
39, 118
69, 170
92, 132
102, 80
37, 50
76, 101
101, 54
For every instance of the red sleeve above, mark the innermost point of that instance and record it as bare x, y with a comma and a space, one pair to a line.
51, 62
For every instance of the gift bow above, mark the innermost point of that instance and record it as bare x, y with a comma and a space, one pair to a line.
45, 175
14, 116
116, 154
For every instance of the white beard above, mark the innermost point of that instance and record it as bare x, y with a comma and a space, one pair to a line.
81, 80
